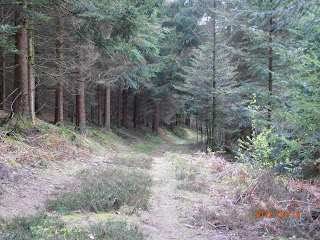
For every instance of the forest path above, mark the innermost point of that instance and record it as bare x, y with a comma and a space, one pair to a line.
164, 218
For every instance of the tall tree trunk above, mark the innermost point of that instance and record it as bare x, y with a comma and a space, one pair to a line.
3, 70
37, 104
135, 111
107, 107
125, 108
20, 97
270, 70
71, 111
201, 129
156, 118
80, 101
100, 121
31, 72
59, 88
119, 107
197, 130
3, 80
214, 111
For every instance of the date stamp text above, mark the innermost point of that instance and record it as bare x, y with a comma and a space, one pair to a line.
277, 214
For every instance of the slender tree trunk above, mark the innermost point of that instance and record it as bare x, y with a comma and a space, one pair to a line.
156, 118
3, 70
21, 105
197, 130
201, 132
135, 111
119, 107
107, 107
59, 88
100, 112
3, 80
270, 70
80, 101
31, 72
37, 98
177, 119
125, 108
71, 110
214, 111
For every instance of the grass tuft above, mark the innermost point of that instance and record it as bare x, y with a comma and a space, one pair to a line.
138, 161
42, 226
104, 191
190, 181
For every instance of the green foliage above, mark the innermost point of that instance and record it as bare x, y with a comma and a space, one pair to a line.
43, 226
183, 33
264, 146
104, 191
257, 148
7, 31
133, 36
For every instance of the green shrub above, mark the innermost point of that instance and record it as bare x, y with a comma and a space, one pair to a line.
42, 226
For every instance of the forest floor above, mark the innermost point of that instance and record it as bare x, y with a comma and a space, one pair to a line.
54, 171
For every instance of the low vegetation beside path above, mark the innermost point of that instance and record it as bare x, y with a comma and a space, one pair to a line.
100, 184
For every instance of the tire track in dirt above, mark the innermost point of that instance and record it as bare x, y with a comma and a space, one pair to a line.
163, 221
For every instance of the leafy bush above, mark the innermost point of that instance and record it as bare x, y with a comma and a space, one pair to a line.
104, 191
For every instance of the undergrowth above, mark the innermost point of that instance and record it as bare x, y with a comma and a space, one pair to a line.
239, 191
148, 148
189, 176
43, 226
138, 161
104, 190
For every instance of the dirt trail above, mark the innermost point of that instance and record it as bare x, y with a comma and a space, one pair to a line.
164, 219
26, 197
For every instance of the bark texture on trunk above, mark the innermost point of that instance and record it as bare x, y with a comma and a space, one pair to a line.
270, 70
214, 111
20, 97
37, 98
156, 118
31, 72
2, 70
125, 107
100, 121
107, 108
80, 100
59, 88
